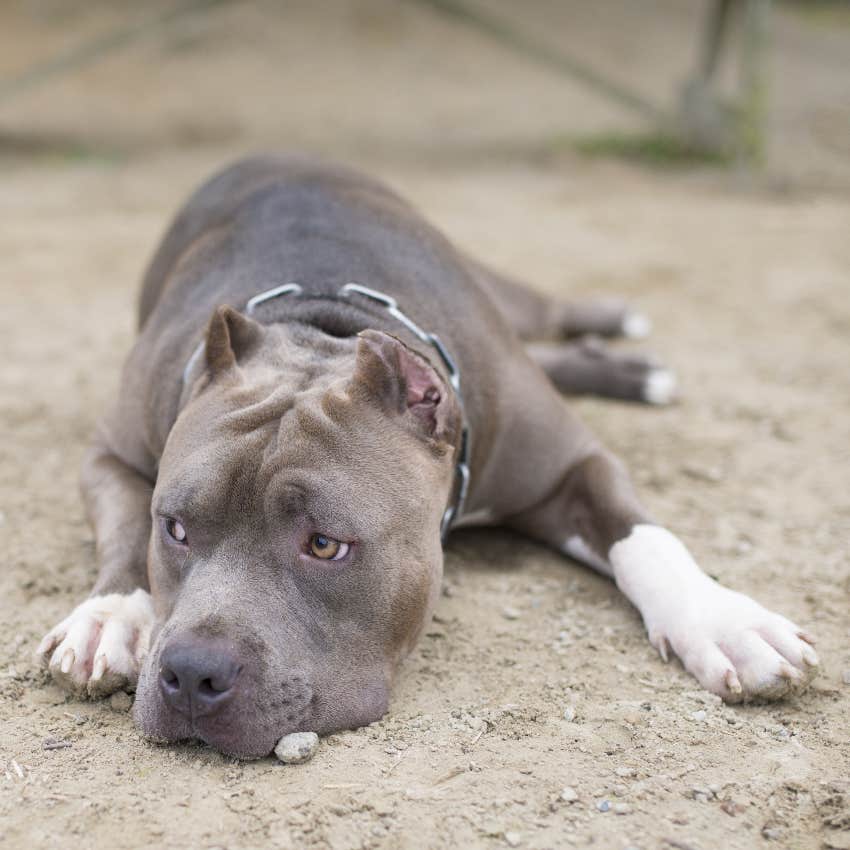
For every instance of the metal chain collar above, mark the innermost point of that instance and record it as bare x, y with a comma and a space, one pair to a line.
461, 485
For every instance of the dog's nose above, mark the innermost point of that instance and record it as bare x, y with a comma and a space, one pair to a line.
197, 677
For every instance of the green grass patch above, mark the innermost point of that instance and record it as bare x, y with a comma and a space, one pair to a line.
659, 150
55, 148
832, 13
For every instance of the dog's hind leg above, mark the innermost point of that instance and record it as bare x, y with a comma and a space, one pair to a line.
98, 647
584, 505
587, 367
535, 316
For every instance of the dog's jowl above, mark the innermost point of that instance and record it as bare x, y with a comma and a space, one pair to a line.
321, 387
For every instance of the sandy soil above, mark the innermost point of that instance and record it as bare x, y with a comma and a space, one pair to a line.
748, 286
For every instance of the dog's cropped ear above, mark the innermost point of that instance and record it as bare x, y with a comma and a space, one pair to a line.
230, 337
403, 383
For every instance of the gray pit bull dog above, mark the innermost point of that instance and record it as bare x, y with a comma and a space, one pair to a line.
321, 385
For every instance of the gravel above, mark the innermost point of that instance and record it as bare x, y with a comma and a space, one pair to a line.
569, 795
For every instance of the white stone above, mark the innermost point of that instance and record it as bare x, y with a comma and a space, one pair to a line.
297, 747
569, 795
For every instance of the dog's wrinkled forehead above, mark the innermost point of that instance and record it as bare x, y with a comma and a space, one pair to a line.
349, 437
281, 451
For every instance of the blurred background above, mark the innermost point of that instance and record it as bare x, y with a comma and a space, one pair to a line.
450, 82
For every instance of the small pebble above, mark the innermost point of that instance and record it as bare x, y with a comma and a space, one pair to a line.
514, 839
570, 713
603, 806
510, 613
699, 716
845, 677
568, 795
732, 808
626, 772
297, 747
120, 701
710, 474
622, 808
702, 794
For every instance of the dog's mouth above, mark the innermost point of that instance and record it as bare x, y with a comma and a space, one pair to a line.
242, 715
241, 697
232, 734
226, 746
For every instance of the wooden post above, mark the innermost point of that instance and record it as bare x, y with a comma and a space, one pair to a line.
736, 129
752, 112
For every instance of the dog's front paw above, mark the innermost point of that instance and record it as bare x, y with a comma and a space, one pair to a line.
99, 647
736, 648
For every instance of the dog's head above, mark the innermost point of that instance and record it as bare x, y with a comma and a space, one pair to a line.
295, 552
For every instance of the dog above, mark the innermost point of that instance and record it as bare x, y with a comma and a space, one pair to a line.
322, 387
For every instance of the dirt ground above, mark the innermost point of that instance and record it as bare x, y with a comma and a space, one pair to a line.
497, 711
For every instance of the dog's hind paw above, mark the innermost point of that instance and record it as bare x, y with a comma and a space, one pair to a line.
636, 325
99, 647
659, 386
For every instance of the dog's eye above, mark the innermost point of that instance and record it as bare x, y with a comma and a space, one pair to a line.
327, 548
175, 530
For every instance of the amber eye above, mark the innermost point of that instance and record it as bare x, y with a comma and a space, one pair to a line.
327, 548
175, 530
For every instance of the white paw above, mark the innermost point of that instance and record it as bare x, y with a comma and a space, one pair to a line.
736, 648
636, 325
99, 647
660, 386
